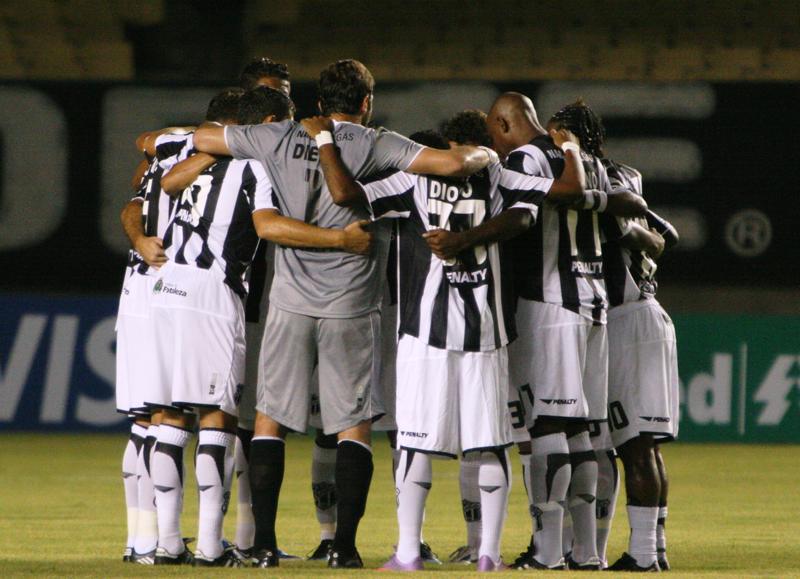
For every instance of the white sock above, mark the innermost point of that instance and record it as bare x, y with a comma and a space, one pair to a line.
214, 474
412, 482
661, 530
130, 480
471, 498
245, 523
525, 460
566, 533
167, 473
323, 487
607, 490
642, 543
582, 495
494, 481
550, 476
147, 522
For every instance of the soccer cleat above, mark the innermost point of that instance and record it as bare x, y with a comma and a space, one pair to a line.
127, 555
486, 565
322, 552
628, 563
343, 560
164, 557
593, 564
463, 555
284, 555
428, 556
527, 560
143, 558
266, 559
229, 558
395, 564
663, 563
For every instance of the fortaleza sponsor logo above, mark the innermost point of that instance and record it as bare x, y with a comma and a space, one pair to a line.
414, 434
560, 401
455, 277
163, 288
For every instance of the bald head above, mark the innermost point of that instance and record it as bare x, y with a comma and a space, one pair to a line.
512, 122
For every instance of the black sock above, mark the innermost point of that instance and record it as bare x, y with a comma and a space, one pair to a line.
267, 460
353, 477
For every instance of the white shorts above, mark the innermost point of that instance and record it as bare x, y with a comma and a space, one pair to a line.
642, 372
385, 381
561, 358
199, 331
136, 354
516, 414
450, 402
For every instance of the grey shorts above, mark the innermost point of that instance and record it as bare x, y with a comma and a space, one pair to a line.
344, 351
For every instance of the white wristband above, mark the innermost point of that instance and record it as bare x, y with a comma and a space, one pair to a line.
595, 200
324, 138
570, 146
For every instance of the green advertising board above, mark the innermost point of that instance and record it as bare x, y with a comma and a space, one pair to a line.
740, 378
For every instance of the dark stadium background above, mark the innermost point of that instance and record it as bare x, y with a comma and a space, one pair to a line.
703, 94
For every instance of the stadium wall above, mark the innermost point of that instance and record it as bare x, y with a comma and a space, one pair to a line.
719, 160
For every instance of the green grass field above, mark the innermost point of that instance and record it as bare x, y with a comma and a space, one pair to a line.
734, 511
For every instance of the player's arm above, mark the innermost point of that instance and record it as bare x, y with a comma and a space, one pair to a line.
460, 161
138, 175
639, 238
344, 189
150, 248
664, 228
183, 174
211, 140
146, 142
448, 244
570, 186
289, 232
624, 203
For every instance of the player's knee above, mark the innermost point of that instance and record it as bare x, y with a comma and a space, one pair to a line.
323, 440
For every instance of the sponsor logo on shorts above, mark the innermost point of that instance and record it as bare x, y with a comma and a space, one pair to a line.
164, 288
414, 434
559, 401
664, 419
212, 388
158, 286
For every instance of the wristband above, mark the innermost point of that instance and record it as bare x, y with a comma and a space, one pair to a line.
570, 146
493, 158
324, 138
595, 200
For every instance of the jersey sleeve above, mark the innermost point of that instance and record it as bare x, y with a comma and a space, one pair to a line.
253, 141
263, 196
392, 196
393, 151
521, 191
525, 162
172, 148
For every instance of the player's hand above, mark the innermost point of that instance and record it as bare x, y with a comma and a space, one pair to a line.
658, 244
315, 125
561, 136
152, 251
356, 239
445, 244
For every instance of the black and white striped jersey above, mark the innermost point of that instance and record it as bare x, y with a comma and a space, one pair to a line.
559, 260
630, 275
465, 303
213, 226
157, 206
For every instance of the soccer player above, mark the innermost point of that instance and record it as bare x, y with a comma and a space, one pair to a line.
323, 303
643, 367
560, 361
264, 71
454, 325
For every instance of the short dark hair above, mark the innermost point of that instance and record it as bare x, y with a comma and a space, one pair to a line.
582, 121
259, 68
262, 102
467, 128
224, 106
343, 86
430, 138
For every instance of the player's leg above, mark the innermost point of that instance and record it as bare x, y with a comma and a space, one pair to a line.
147, 521
347, 350
468, 474
661, 528
130, 457
607, 487
245, 524
288, 354
323, 488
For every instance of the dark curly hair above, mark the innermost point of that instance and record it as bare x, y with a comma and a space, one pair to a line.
262, 102
582, 121
343, 86
225, 105
430, 138
258, 68
467, 128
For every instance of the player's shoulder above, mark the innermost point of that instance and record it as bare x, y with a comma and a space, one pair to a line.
616, 167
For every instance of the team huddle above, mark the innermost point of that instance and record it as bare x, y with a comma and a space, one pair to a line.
488, 284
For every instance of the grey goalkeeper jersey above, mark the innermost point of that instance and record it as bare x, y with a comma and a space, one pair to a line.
322, 283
